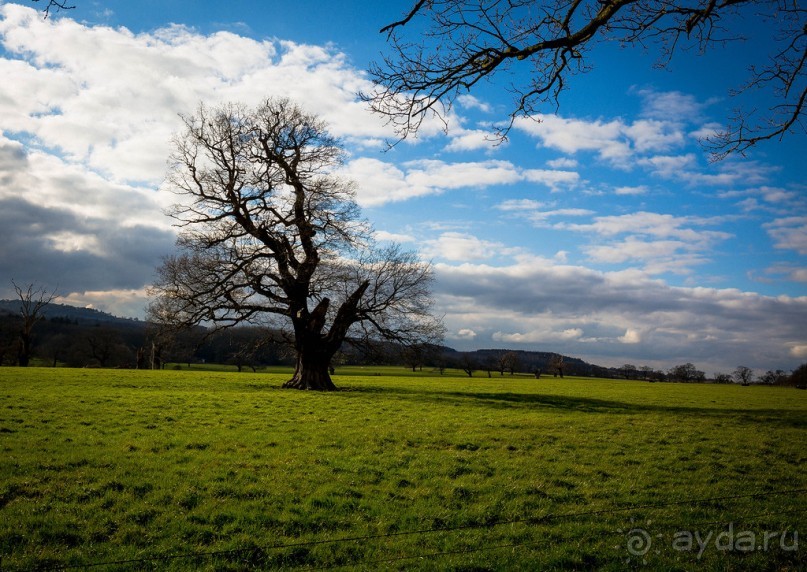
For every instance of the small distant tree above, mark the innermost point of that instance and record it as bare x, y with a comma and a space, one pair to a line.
722, 378
557, 364
161, 338
53, 349
239, 350
512, 363
646, 372
33, 300
107, 348
501, 362
799, 376
468, 364
686, 373
489, 365
743, 375
414, 356
771, 377
629, 371
9, 336
141, 359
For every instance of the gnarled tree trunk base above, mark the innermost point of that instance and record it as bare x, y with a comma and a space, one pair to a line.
313, 380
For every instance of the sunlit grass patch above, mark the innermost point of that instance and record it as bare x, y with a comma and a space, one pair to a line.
222, 470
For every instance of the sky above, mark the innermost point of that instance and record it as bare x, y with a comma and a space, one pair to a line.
599, 229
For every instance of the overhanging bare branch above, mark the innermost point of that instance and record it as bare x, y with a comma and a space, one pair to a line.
465, 41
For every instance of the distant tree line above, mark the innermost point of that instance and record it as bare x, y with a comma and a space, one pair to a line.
64, 341
71, 342
743, 375
510, 362
87, 338
35, 330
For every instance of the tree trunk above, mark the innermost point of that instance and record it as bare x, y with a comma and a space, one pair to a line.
313, 362
24, 355
311, 373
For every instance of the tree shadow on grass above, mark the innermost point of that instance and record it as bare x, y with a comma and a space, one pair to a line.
510, 400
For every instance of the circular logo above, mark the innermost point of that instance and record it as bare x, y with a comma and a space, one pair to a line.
639, 542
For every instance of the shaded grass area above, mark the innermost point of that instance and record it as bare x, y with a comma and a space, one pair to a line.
217, 470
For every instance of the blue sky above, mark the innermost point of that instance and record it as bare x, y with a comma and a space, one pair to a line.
601, 231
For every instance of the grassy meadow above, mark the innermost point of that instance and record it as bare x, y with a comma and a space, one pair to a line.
217, 470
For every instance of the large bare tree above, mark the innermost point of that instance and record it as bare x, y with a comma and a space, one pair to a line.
271, 234
454, 44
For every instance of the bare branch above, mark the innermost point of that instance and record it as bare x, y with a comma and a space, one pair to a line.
391, 27
466, 41
55, 4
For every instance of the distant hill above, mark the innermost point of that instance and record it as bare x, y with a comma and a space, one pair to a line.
531, 361
528, 361
82, 316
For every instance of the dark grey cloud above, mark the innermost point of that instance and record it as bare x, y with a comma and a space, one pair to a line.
622, 316
67, 228
122, 257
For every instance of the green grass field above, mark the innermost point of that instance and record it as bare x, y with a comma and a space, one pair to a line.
141, 470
